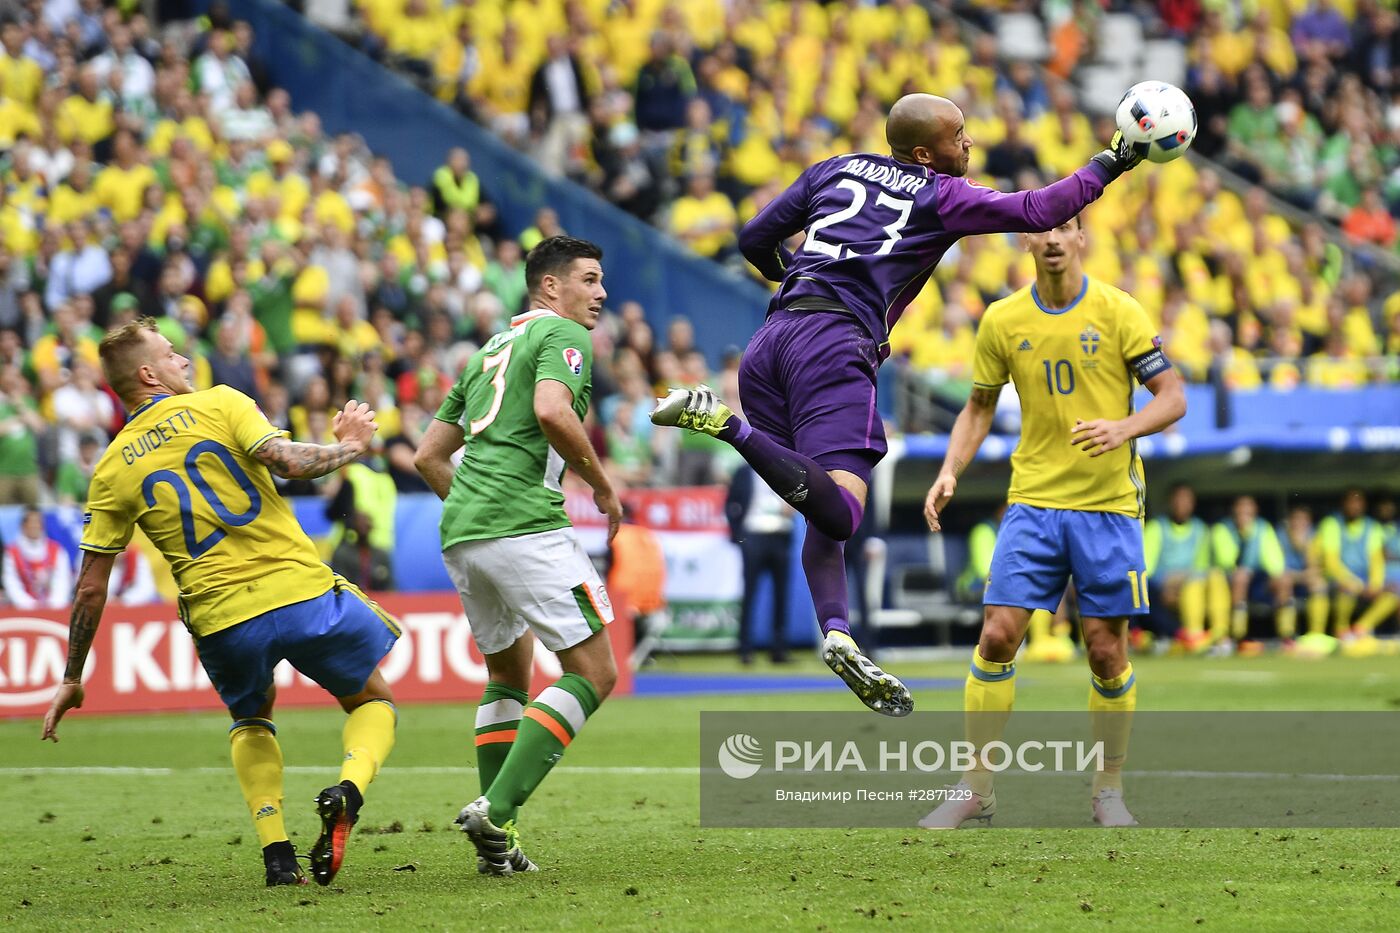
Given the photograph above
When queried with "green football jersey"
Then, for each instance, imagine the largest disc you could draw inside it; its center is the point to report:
(508, 481)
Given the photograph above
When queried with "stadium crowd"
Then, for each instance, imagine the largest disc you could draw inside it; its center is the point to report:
(693, 115)
(157, 171)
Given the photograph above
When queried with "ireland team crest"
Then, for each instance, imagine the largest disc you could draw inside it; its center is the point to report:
(574, 360)
(1089, 340)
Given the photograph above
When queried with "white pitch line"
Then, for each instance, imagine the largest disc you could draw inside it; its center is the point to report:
(694, 772)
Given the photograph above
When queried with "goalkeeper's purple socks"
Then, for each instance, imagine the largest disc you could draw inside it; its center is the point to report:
(801, 481)
(824, 561)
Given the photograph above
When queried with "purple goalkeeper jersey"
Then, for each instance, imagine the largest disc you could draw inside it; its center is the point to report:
(877, 227)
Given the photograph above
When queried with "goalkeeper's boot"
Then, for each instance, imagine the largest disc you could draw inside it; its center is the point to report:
(880, 691)
(961, 807)
(497, 847)
(697, 409)
(280, 860)
(339, 812)
(1109, 809)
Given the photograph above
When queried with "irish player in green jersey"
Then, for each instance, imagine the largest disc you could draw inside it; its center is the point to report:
(518, 408)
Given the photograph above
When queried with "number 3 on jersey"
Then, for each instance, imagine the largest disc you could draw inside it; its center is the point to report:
(892, 230)
(498, 362)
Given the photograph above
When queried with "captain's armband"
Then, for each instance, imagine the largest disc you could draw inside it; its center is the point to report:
(1149, 364)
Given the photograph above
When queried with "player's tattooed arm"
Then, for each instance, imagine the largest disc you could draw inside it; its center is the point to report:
(969, 431)
(971, 428)
(354, 428)
(295, 460)
(89, 599)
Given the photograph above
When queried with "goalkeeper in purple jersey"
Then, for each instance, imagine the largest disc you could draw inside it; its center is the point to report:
(876, 226)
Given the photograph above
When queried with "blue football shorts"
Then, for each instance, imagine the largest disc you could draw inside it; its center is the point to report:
(1040, 550)
(337, 639)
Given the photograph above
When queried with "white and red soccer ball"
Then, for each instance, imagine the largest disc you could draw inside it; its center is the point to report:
(1157, 119)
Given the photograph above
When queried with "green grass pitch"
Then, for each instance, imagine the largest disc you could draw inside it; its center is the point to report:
(616, 831)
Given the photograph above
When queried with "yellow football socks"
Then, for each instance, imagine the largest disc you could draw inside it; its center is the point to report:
(988, 695)
(1192, 602)
(1380, 609)
(1039, 628)
(257, 760)
(368, 738)
(1318, 606)
(1343, 608)
(1111, 706)
(1286, 619)
(1218, 605)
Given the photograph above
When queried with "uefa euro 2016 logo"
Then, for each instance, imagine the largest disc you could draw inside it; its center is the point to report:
(1089, 340)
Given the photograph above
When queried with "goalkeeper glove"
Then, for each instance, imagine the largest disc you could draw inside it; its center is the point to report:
(1119, 156)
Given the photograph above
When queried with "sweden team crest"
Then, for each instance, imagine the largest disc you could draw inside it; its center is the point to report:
(1089, 340)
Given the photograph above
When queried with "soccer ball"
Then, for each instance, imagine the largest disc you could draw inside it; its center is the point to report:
(1158, 120)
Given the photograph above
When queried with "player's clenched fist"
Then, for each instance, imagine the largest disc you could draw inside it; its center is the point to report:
(938, 495)
(355, 424)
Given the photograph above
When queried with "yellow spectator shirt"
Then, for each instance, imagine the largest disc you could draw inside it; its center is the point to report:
(192, 128)
(416, 36)
(1074, 364)
(183, 470)
(504, 85)
(17, 231)
(120, 190)
(690, 214)
(67, 204)
(950, 353)
(292, 191)
(16, 119)
(1337, 372)
(21, 79)
(331, 208)
(80, 118)
(219, 283)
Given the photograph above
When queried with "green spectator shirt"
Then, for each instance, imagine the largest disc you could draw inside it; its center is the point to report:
(506, 284)
(70, 482)
(508, 482)
(272, 307)
(1253, 129)
(19, 449)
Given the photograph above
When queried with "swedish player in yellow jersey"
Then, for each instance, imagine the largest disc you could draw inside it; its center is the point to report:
(1072, 347)
(193, 469)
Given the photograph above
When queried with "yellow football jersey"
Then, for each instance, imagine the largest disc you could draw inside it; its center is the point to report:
(1076, 364)
(183, 470)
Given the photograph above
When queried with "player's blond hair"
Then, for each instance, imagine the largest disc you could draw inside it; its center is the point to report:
(123, 351)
